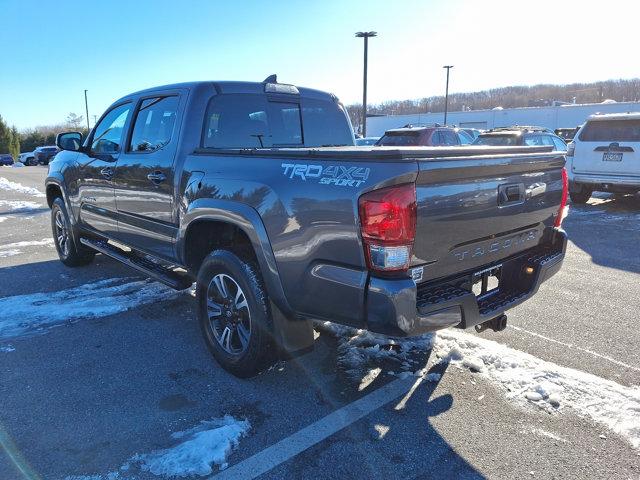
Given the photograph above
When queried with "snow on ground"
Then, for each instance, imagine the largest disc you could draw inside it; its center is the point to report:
(524, 378)
(361, 354)
(7, 348)
(9, 185)
(208, 444)
(530, 380)
(11, 249)
(20, 205)
(36, 312)
(198, 450)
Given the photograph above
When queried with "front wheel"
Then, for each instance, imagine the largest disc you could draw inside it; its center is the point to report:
(68, 252)
(233, 314)
(580, 193)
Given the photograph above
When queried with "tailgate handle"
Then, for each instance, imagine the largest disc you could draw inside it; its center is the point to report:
(511, 194)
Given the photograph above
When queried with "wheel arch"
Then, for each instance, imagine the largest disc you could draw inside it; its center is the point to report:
(223, 222)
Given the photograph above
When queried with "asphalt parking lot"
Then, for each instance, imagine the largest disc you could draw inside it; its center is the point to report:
(99, 367)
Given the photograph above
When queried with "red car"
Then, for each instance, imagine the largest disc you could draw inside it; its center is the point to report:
(420, 135)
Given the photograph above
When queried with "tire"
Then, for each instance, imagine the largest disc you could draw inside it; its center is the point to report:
(247, 347)
(30, 162)
(580, 193)
(69, 253)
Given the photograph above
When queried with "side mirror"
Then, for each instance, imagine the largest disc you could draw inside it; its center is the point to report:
(69, 141)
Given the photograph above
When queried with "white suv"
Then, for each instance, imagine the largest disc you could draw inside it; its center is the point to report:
(605, 156)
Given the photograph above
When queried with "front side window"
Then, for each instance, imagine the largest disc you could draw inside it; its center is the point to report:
(251, 121)
(154, 124)
(107, 135)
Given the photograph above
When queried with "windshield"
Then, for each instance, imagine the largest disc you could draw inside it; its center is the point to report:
(399, 139)
(611, 131)
(498, 140)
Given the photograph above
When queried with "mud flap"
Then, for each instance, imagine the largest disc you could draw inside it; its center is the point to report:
(293, 337)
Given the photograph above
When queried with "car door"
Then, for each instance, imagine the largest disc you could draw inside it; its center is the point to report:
(97, 166)
(144, 176)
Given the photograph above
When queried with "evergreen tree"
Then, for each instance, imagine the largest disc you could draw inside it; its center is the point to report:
(14, 148)
(5, 137)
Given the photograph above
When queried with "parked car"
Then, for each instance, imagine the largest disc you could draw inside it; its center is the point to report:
(6, 159)
(566, 134)
(228, 184)
(366, 141)
(463, 137)
(604, 156)
(27, 158)
(419, 135)
(43, 155)
(473, 132)
(521, 136)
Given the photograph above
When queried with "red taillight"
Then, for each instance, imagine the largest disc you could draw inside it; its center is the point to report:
(388, 226)
(563, 211)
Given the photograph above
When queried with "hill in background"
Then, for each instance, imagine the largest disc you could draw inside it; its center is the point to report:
(507, 97)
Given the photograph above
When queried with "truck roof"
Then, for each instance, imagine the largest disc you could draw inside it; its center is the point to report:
(226, 86)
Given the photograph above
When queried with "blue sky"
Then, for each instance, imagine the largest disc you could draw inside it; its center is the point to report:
(54, 50)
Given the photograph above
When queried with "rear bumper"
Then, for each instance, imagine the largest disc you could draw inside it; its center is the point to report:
(603, 179)
(400, 308)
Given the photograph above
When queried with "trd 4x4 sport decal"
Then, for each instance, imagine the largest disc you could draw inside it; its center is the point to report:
(329, 175)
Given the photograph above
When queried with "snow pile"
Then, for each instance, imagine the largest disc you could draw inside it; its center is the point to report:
(11, 249)
(208, 444)
(20, 205)
(17, 187)
(361, 353)
(18, 165)
(528, 379)
(22, 314)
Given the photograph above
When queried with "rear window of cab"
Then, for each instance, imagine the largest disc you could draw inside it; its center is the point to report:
(611, 131)
(255, 121)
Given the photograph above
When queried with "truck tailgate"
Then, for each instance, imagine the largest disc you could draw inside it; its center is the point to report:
(475, 211)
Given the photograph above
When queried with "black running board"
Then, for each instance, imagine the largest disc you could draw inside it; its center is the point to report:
(154, 270)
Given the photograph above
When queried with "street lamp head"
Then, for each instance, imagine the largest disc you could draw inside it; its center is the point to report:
(366, 34)
(447, 66)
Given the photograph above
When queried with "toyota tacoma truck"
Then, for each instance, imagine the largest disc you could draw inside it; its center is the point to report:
(257, 193)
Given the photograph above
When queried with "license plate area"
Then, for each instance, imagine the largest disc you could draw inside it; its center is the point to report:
(486, 281)
(612, 157)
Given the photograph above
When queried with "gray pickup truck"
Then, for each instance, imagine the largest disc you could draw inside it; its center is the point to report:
(257, 192)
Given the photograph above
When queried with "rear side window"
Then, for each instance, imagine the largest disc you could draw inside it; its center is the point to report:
(611, 131)
(154, 124)
(559, 144)
(251, 121)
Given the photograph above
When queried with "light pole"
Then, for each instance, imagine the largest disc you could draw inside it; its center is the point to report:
(86, 110)
(446, 93)
(366, 36)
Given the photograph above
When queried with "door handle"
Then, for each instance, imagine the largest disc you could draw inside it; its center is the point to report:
(157, 177)
(107, 172)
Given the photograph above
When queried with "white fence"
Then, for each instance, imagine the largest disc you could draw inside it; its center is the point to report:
(551, 117)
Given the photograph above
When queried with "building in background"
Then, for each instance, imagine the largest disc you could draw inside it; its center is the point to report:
(559, 116)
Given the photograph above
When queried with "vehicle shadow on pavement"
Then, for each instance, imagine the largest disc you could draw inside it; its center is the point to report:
(395, 441)
(608, 229)
(83, 398)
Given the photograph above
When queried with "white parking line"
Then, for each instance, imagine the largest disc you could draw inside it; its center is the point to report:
(291, 446)
(570, 345)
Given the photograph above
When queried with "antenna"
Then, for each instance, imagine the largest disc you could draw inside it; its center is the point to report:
(271, 79)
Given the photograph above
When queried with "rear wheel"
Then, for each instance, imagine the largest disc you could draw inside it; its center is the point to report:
(69, 253)
(233, 314)
(580, 193)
